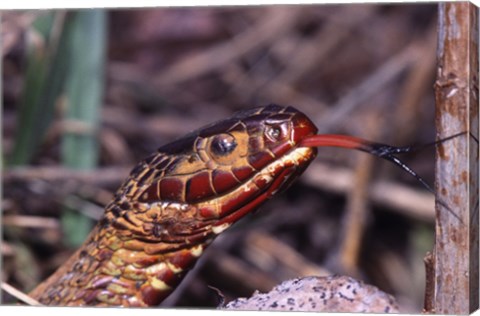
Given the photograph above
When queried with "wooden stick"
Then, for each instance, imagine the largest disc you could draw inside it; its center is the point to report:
(456, 92)
(19, 295)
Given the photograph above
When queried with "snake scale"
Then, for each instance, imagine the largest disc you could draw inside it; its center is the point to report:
(175, 202)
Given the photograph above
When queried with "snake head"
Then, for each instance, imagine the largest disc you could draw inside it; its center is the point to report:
(218, 158)
(224, 170)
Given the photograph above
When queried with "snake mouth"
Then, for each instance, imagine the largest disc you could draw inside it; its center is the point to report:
(228, 208)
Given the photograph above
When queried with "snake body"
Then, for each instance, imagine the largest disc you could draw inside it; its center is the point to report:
(175, 202)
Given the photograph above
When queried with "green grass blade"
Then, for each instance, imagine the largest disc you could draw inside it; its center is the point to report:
(28, 134)
(84, 97)
(84, 88)
(47, 66)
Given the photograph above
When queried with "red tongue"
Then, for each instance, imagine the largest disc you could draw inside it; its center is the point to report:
(331, 140)
(380, 150)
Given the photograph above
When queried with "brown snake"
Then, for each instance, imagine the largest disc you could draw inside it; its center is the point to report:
(175, 202)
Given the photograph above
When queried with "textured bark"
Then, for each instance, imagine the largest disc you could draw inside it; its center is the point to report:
(456, 92)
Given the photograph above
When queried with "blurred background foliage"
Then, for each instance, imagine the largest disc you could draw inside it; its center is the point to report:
(88, 93)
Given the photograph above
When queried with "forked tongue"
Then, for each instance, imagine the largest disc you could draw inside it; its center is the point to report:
(386, 152)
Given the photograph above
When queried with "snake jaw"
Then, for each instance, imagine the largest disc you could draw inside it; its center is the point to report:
(229, 208)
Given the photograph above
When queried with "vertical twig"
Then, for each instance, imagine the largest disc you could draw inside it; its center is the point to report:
(355, 220)
(428, 305)
(456, 93)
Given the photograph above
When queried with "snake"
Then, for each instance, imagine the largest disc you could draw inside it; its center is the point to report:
(176, 201)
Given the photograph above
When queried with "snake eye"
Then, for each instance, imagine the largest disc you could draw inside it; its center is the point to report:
(223, 144)
(276, 132)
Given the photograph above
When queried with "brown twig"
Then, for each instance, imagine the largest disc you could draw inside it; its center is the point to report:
(302, 55)
(355, 218)
(265, 252)
(136, 125)
(102, 176)
(331, 35)
(277, 91)
(428, 306)
(420, 78)
(241, 273)
(377, 80)
(397, 197)
(273, 23)
(30, 221)
(357, 208)
(19, 295)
